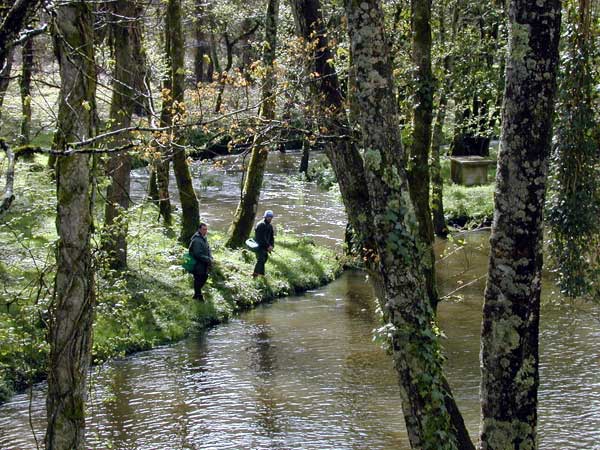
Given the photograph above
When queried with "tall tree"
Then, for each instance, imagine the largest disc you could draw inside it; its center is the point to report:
(418, 162)
(5, 77)
(574, 204)
(71, 311)
(126, 42)
(478, 76)
(13, 18)
(25, 87)
(431, 416)
(248, 206)
(437, 186)
(173, 113)
(327, 94)
(203, 65)
(511, 312)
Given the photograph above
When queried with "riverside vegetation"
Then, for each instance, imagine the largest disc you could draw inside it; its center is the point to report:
(148, 305)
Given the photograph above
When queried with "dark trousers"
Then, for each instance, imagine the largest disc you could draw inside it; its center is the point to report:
(261, 258)
(200, 277)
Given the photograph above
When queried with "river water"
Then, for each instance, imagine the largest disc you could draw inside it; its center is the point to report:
(303, 372)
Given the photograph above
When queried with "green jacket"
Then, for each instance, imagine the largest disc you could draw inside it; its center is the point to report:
(199, 249)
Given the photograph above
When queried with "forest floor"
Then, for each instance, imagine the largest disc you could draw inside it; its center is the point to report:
(148, 305)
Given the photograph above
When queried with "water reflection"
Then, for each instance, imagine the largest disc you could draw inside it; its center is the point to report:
(303, 373)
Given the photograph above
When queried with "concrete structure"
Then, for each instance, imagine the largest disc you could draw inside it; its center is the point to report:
(469, 170)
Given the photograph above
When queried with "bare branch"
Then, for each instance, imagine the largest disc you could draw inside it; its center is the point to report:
(8, 196)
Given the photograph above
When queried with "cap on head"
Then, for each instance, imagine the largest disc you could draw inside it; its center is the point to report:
(268, 213)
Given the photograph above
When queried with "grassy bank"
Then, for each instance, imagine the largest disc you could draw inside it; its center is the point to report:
(146, 306)
(465, 207)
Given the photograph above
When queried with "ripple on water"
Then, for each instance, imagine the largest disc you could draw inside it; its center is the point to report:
(303, 373)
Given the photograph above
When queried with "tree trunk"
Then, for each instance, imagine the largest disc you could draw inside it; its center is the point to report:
(418, 164)
(248, 206)
(229, 45)
(14, 16)
(437, 182)
(430, 422)
(510, 330)
(126, 40)
(174, 108)
(202, 51)
(71, 311)
(25, 87)
(341, 151)
(305, 156)
(574, 206)
(152, 185)
(5, 78)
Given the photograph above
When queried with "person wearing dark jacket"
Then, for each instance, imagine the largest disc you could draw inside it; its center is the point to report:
(200, 250)
(264, 237)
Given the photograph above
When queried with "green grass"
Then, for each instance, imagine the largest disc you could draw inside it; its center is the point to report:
(468, 206)
(150, 304)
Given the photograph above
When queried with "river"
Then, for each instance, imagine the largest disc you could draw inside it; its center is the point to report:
(304, 372)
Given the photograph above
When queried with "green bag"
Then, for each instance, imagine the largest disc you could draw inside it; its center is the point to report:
(189, 262)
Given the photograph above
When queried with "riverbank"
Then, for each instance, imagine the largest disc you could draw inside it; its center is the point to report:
(148, 305)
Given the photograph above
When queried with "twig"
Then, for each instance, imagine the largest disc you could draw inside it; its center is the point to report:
(462, 287)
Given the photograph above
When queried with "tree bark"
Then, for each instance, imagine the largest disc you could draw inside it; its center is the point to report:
(229, 44)
(418, 163)
(8, 194)
(416, 351)
(574, 205)
(71, 311)
(437, 183)
(510, 330)
(11, 24)
(202, 52)
(248, 206)
(341, 151)
(126, 39)
(25, 87)
(305, 157)
(5, 78)
(174, 114)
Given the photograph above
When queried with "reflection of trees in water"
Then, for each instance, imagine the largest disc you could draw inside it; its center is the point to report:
(115, 404)
(367, 371)
(263, 361)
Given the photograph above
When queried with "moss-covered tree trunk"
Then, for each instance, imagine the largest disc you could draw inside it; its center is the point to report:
(574, 206)
(173, 113)
(25, 88)
(418, 162)
(431, 416)
(126, 40)
(511, 312)
(14, 16)
(305, 157)
(5, 78)
(341, 151)
(203, 66)
(248, 206)
(71, 310)
(437, 183)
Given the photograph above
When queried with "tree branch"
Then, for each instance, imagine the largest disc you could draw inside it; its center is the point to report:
(16, 18)
(8, 196)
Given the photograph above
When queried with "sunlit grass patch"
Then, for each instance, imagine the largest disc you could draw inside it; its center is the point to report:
(149, 304)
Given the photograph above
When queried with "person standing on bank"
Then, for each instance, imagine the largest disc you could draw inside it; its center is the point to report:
(200, 250)
(264, 237)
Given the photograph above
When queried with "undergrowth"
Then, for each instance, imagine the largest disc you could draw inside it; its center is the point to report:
(149, 304)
